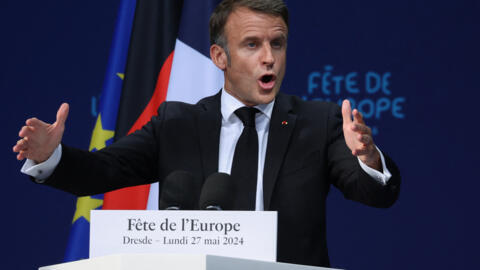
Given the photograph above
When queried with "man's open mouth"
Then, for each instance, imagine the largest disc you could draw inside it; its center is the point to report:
(267, 81)
(267, 78)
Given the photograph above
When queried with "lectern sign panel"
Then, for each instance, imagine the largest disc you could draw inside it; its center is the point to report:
(240, 234)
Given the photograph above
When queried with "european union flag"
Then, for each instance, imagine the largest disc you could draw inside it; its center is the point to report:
(103, 132)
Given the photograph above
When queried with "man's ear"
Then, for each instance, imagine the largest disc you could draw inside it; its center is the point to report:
(219, 57)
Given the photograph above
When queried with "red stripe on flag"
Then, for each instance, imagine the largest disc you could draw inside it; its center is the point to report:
(137, 197)
(158, 97)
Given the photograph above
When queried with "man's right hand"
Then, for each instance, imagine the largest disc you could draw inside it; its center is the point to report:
(39, 139)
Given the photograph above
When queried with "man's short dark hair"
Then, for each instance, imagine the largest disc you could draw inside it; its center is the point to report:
(225, 8)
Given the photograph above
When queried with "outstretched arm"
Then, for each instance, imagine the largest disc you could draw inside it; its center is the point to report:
(366, 178)
(39, 139)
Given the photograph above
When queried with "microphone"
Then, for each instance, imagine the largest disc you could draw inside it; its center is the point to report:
(217, 193)
(177, 192)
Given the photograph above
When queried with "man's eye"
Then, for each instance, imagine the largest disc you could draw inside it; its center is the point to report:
(251, 45)
(277, 44)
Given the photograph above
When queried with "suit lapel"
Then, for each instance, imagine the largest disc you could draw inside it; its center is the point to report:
(209, 124)
(282, 125)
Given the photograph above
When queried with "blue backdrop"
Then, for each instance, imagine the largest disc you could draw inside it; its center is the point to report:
(410, 66)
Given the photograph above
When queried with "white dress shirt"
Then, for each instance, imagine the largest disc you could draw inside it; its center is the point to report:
(231, 130)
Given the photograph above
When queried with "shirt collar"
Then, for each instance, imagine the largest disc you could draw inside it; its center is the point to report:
(229, 104)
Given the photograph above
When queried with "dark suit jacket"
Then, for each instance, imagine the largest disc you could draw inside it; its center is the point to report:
(303, 159)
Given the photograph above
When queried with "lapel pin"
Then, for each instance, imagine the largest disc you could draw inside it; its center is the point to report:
(284, 123)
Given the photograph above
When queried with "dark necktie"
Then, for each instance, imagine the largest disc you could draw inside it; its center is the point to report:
(245, 161)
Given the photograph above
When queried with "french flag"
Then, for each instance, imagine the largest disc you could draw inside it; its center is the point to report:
(168, 60)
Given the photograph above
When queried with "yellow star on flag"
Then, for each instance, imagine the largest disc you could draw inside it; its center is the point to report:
(100, 135)
(121, 75)
(84, 205)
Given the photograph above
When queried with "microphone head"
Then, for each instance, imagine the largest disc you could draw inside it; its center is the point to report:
(217, 192)
(178, 192)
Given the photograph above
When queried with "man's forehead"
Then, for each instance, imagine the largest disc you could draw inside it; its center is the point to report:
(243, 18)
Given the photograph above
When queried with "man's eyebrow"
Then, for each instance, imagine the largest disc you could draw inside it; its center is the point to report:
(280, 37)
(250, 38)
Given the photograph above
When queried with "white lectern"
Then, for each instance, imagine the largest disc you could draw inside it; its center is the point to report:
(174, 261)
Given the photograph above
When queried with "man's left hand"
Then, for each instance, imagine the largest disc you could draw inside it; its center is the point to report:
(358, 137)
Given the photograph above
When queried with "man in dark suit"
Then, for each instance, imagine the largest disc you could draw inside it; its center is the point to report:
(303, 147)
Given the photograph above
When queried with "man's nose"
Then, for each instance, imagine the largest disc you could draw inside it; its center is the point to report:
(267, 56)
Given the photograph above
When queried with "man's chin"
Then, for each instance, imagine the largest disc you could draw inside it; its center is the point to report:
(268, 97)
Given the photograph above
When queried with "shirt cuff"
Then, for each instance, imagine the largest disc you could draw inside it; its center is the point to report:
(382, 178)
(42, 171)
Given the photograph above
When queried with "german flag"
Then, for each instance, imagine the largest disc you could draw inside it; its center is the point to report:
(168, 60)
(149, 62)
